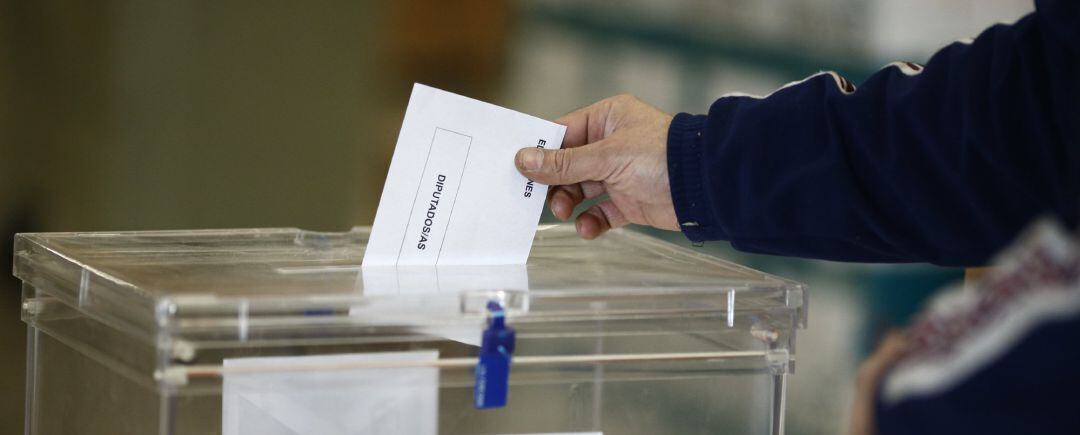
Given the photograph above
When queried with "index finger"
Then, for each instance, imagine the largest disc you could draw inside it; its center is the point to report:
(585, 125)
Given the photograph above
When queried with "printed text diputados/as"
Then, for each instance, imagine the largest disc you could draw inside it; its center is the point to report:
(429, 219)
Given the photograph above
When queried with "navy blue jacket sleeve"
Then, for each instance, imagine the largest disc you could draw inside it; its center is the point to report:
(943, 164)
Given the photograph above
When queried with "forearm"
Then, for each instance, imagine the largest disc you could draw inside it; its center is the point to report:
(943, 164)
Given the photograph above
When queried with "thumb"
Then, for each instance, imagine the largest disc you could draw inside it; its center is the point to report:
(562, 166)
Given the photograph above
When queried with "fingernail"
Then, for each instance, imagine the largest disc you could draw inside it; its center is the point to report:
(532, 159)
(557, 209)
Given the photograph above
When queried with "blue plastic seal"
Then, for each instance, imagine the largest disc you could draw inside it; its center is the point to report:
(493, 369)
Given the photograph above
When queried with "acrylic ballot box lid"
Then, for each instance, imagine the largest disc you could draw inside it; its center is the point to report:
(193, 298)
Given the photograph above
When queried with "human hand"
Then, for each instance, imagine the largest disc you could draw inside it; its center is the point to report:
(888, 352)
(616, 146)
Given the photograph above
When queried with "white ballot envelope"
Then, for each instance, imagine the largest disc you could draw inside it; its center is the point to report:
(334, 400)
(453, 195)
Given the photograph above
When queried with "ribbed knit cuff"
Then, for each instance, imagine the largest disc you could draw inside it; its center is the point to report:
(684, 159)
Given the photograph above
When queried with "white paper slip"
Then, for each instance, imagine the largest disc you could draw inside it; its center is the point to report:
(453, 195)
(331, 401)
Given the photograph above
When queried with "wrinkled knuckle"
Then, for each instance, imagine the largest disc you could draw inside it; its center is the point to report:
(560, 161)
(624, 98)
(613, 100)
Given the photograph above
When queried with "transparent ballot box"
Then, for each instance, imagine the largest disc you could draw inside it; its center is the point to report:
(280, 331)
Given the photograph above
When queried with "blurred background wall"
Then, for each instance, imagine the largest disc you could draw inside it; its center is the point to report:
(125, 115)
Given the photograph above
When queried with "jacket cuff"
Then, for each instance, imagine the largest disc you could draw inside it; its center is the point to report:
(686, 177)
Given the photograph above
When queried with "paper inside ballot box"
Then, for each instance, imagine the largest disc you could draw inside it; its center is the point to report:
(312, 395)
